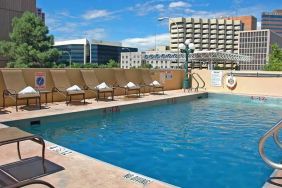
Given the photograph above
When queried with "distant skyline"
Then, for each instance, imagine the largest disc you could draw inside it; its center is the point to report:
(134, 22)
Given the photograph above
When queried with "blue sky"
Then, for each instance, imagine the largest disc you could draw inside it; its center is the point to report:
(134, 22)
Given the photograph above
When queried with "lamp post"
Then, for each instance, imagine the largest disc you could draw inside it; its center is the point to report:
(187, 48)
(167, 18)
(67, 52)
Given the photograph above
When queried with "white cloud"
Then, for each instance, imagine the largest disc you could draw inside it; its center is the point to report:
(178, 4)
(258, 25)
(94, 14)
(142, 9)
(147, 42)
(98, 34)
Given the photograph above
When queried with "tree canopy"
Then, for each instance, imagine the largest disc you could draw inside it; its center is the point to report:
(275, 59)
(30, 45)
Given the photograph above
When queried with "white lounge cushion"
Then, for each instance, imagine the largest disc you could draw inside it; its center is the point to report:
(130, 85)
(74, 88)
(28, 90)
(155, 83)
(102, 86)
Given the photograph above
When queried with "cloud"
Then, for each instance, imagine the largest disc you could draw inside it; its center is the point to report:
(147, 42)
(258, 25)
(94, 14)
(178, 4)
(142, 9)
(98, 34)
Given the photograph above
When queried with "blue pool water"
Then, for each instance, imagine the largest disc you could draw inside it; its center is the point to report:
(211, 142)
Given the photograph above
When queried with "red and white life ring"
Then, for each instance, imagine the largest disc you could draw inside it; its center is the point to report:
(231, 82)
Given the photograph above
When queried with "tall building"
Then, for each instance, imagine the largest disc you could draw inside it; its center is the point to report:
(206, 34)
(257, 44)
(82, 51)
(272, 20)
(40, 14)
(10, 9)
(249, 22)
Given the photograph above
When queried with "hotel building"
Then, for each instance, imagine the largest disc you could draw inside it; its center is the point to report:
(249, 22)
(257, 44)
(10, 9)
(272, 20)
(206, 34)
(83, 51)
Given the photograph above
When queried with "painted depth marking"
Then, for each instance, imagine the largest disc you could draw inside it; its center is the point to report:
(60, 150)
(137, 179)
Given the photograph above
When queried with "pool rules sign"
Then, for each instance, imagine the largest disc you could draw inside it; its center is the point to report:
(40, 80)
(216, 78)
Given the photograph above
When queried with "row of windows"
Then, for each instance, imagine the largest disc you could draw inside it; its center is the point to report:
(254, 34)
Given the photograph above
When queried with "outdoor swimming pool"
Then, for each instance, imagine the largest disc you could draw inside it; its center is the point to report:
(210, 142)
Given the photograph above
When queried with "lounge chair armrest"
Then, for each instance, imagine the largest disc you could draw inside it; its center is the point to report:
(61, 89)
(10, 92)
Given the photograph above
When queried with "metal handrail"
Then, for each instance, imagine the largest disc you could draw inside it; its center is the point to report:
(204, 83)
(272, 132)
(197, 87)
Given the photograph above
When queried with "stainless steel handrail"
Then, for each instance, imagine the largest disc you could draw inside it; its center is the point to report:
(204, 83)
(272, 132)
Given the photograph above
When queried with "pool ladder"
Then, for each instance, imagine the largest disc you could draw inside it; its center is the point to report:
(196, 76)
(274, 131)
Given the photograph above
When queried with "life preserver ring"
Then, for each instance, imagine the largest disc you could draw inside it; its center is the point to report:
(231, 82)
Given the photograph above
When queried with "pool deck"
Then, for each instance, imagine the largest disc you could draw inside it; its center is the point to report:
(80, 170)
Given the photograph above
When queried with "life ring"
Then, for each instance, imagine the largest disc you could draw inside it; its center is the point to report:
(231, 82)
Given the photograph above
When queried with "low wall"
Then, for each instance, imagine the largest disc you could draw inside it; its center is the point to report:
(271, 86)
(171, 79)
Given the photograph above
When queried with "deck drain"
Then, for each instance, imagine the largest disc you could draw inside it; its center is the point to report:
(60, 150)
(137, 179)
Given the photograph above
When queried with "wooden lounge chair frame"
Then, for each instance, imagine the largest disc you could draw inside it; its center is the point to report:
(91, 82)
(14, 135)
(147, 80)
(121, 82)
(63, 89)
(17, 184)
(17, 78)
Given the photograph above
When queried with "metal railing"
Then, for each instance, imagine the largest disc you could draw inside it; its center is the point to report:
(197, 81)
(274, 131)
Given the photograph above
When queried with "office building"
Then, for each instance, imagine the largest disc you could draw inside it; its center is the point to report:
(40, 14)
(102, 52)
(257, 44)
(272, 20)
(10, 9)
(206, 34)
(82, 51)
(249, 22)
(77, 50)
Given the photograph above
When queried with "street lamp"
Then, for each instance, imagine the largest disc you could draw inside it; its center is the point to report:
(67, 52)
(187, 48)
(167, 18)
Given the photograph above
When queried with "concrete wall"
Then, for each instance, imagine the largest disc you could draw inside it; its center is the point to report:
(246, 85)
(104, 75)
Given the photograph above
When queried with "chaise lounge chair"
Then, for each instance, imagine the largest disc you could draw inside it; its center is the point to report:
(92, 84)
(122, 82)
(17, 89)
(64, 87)
(14, 135)
(148, 81)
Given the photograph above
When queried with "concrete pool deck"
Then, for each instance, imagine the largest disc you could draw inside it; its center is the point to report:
(80, 170)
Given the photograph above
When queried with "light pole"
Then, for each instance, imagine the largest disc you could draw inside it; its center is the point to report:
(167, 18)
(67, 52)
(187, 48)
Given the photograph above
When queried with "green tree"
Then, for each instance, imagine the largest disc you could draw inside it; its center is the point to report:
(146, 66)
(112, 64)
(275, 59)
(30, 45)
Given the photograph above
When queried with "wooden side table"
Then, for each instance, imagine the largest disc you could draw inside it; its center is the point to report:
(45, 92)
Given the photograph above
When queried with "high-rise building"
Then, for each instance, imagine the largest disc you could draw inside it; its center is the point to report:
(257, 45)
(272, 20)
(40, 14)
(83, 51)
(206, 34)
(249, 22)
(10, 9)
